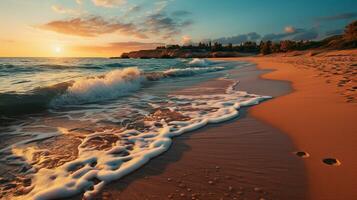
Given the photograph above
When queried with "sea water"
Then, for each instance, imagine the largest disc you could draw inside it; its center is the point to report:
(75, 124)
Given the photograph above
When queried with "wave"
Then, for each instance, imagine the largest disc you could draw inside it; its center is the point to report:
(9, 68)
(200, 62)
(118, 83)
(55, 66)
(86, 90)
(34, 101)
(85, 66)
(6, 66)
(102, 66)
(112, 65)
(114, 84)
(191, 71)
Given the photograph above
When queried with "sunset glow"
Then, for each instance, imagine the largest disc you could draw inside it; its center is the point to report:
(58, 49)
(178, 99)
(102, 28)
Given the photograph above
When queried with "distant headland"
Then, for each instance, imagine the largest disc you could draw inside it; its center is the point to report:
(347, 40)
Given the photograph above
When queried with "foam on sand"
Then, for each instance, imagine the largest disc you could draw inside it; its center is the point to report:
(191, 71)
(132, 147)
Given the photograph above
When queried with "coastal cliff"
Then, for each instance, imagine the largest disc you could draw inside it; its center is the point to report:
(181, 53)
(348, 40)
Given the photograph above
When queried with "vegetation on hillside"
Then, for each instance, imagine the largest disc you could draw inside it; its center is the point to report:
(346, 41)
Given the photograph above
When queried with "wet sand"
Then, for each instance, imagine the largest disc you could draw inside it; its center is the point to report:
(319, 116)
(244, 158)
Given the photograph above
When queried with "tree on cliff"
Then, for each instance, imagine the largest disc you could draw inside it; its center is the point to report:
(351, 31)
(287, 45)
(217, 46)
(265, 47)
(275, 47)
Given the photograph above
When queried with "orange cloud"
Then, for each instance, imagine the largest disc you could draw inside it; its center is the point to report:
(158, 25)
(290, 29)
(108, 3)
(186, 39)
(91, 27)
(63, 10)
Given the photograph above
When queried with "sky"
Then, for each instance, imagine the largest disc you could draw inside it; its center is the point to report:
(103, 28)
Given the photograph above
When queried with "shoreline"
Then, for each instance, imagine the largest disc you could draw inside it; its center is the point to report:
(241, 158)
(254, 155)
(318, 115)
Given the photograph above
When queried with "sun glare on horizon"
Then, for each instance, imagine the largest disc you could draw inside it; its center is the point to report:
(58, 49)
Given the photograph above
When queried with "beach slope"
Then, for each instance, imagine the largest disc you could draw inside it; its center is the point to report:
(319, 116)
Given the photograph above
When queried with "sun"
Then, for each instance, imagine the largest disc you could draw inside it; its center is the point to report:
(58, 49)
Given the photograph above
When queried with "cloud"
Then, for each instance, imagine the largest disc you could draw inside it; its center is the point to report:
(274, 36)
(136, 45)
(306, 35)
(165, 25)
(161, 5)
(334, 32)
(238, 39)
(157, 25)
(91, 27)
(62, 10)
(186, 39)
(7, 41)
(116, 48)
(278, 36)
(79, 2)
(292, 33)
(289, 29)
(253, 36)
(340, 16)
(135, 8)
(180, 13)
(108, 3)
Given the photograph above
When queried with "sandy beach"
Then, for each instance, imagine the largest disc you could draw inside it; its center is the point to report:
(298, 145)
(254, 157)
(319, 116)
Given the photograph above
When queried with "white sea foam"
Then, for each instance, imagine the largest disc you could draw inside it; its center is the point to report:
(113, 84)
(191, 71)
(231, 89)
(117, 83)
(94, 167)
(200, 62)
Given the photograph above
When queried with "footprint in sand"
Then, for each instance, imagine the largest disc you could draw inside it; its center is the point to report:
(331, 161)
(302, 154)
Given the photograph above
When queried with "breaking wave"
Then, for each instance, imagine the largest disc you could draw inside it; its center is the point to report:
(191, 71)
(200, 62)
(114, 84)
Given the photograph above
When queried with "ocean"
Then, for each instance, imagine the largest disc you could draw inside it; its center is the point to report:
(72, 125)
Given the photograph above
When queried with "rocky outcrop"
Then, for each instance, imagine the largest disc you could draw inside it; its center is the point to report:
(179, 53)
